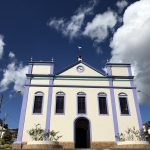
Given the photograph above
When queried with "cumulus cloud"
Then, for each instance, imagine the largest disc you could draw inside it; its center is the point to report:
(1, 46)
(131, 43)
(71, 28)
(98, 29)
(14, 74)
(121, 4)
(11, 54)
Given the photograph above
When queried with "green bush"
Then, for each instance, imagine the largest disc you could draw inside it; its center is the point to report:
(7, 136)
(7, 146)
(2, 141)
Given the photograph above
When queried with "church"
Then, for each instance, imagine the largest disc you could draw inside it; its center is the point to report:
(87, 106)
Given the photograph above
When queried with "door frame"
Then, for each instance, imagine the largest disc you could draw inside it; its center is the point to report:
(90, 131)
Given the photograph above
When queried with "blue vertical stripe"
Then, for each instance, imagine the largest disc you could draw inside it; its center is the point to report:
(113, 104)
(23, 108)
(135, 100)
(48, 115)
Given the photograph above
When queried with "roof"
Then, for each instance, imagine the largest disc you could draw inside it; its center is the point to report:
(78, 62)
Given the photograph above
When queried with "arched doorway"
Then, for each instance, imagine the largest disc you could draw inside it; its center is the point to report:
(82, 133)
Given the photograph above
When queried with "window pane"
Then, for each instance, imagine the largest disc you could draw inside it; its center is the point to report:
(124, 105)
(60, 104)
(81, 104)
(102, 105)
(38, 104)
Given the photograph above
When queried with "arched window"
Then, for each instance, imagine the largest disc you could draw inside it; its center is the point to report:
(102, 101)
(60, 102)
(38, 102)
(81, 102)
(124, 108)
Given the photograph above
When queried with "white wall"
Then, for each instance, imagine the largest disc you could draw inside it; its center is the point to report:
(101, 125)
(31, 119)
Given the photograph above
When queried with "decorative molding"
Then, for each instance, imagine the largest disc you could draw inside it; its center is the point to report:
(118, 64)
(71, 76)
(40, 62)
(80, 86)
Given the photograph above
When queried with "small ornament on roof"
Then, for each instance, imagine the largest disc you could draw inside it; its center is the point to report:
(52, 60)
(31, 59)
(79, 53)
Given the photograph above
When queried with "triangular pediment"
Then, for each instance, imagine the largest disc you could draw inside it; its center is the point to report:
(80, 69)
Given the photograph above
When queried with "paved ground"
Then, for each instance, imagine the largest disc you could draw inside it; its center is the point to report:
(101, 149)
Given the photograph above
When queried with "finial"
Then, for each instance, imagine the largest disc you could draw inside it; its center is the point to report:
(79, 53)
(31, 59)
(52, 60)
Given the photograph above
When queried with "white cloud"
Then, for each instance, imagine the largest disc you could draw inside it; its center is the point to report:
(11, 54)
(121, 4)
(98, 29)
(131, 43)
(14, 74)
(1, 46)
(72, 27)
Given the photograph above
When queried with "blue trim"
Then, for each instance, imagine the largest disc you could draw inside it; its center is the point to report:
(23, 109)
(118, 64)
(39, 93)
(64, 95)
(78, 86)
(49, 102)
(136, 101)
(106, 104)
(79, 95)
(114, 111)
(70, 76)
(124, 96)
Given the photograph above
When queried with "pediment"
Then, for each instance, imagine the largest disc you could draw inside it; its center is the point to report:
(80, 69)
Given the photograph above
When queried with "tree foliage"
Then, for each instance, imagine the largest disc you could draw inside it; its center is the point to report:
(146, 127)
(7, 136)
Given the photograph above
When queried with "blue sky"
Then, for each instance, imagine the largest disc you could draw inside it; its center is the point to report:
(105, 29)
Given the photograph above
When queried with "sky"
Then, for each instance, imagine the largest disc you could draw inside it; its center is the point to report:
(107, 30)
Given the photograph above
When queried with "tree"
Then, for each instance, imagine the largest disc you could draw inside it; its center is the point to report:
(146, 127)
(2, 123)
(7, 136)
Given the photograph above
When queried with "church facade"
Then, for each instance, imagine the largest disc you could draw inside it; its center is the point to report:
(88, 107)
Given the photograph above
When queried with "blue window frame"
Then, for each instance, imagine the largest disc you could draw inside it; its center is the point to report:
(81, 102)
(60, 98)
(38, 102)
(123, 101)
(102, 102)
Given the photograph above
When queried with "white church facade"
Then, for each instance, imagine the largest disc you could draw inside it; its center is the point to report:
(88, 107)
